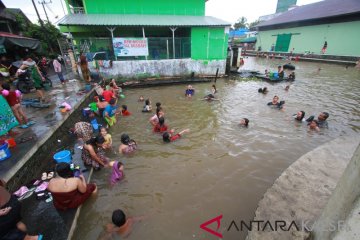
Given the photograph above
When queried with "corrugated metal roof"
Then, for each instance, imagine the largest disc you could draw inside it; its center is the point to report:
(139, 20)
(319, 10)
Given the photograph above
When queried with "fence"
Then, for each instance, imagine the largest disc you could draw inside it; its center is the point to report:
(159, 48)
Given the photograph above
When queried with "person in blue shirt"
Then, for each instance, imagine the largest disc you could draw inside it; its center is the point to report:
(110, 112)
(190, 91)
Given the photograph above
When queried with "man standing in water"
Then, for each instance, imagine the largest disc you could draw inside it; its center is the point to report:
(322, 123)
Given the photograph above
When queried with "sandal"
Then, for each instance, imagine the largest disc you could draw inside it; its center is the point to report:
(23, 126)
(30, 123)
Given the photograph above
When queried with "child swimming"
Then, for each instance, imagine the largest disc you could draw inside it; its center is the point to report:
(190, 91)
(244, 122)
(170, 137)
(124, 111)
(161, 126)
(127, 145)
(275, 103)
(314, 125)
(122, 225)
(117, 173)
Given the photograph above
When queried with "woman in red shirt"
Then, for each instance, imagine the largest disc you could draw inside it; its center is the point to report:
(161, 126)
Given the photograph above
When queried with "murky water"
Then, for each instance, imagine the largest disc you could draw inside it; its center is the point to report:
(218, 168)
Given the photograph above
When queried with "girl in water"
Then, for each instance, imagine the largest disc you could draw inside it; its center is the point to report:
(300, 116)
(161, 126)
(155, 119)
(147, 106)
(108, 140)
(127, 145)
(170, 137)
(117, 173)
(244, 122)
(275, 103)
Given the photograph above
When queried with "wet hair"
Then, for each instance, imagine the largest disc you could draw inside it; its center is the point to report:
(326, 115)
(158, 109)
(260, 90)
(302, 116)
(118, 218)
(166, 137)
(63, 170)
(315, 121)
(96, 140)
(214, 88)
(101, 99)
(124, 107)
(158, 104)
(147, 102)
(125, 139)
(264, 89)
(112, 101)
(161, 121)
(246, 122)
(6, 86)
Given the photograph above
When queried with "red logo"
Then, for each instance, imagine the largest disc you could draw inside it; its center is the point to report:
(218, 220)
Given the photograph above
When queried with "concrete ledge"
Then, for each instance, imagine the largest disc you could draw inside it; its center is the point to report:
(38, 157)
(302, 191)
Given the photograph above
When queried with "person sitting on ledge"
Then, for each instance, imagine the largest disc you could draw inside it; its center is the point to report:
(68, 191)
(93, 153)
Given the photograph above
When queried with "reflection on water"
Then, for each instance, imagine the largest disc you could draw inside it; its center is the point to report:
(218, 168)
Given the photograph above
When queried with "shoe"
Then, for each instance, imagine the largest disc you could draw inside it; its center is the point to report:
(24, 126)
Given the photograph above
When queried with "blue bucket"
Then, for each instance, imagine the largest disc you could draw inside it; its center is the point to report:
(63, 156)
(87, 87)
(86, 112)
(4, 152)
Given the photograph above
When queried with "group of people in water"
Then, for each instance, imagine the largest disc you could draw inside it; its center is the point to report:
(69, 188)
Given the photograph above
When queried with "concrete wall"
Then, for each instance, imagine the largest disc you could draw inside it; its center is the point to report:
(342, 201)
(342, 38)
(173, 67)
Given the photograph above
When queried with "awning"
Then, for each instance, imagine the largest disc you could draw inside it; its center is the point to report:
(248, 40)
(7, 39)
(139, 20)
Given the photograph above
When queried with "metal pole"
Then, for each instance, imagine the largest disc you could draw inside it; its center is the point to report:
(143, 31)
(173, 37)
(167, 48)
(43, 3)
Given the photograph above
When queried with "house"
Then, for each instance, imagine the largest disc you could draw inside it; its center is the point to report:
(174, 34)
(327, 27)
(11, 40)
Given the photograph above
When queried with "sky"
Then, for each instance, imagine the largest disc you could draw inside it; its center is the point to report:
(228, 10)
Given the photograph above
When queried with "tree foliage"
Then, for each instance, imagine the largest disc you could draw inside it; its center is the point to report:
(47, 35)
(243, 23)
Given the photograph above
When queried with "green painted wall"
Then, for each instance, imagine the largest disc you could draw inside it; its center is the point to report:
(342, 38)
(208, 43)
(162, 7)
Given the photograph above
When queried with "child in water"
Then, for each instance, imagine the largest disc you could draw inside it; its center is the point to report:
(122, 225)
(190, 91)
(170, 137)
(147, 106)
(314, 125)
(141, 99)
(275, 102)
(161, 126)
(117, 173)
(108, 140)
(124, 111)
(244, 122)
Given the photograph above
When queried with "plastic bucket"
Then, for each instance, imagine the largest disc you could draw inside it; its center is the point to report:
(11, 142)
(86, 112)
(4, 152)
(63, 156)
(87, 87)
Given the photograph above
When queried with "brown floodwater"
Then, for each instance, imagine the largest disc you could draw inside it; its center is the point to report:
(219, 167)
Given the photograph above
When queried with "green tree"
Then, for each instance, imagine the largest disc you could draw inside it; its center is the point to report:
(47, 36)
(241, 23)
(253, 24)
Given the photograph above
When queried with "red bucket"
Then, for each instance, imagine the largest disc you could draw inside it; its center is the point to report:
(11, 142)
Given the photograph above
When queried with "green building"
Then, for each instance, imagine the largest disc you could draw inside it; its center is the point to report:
(306, 29)
(176, 29)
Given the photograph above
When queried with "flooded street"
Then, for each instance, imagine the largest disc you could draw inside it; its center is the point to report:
(219, 167)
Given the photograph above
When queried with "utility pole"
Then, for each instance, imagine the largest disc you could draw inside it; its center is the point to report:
(43, 26)
(37, 13)
(43, 5)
